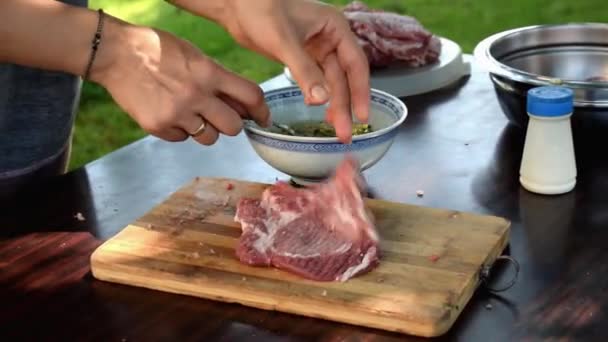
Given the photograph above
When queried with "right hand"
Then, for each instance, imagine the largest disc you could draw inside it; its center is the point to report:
(315, 41)
(169, 87)
(312, 38)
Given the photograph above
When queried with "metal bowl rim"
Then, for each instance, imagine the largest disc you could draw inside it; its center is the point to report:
(483, 55)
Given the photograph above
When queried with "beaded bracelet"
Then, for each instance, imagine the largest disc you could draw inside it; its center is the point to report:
(96, 41)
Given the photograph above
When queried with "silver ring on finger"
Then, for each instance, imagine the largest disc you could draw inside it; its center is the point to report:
(200, 130)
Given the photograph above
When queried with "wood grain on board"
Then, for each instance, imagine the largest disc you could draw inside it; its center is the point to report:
(429, 269)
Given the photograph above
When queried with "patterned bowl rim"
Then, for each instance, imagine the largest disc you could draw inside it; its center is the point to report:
(250, 128)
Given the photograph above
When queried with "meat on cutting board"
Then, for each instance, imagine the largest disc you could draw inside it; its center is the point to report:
(322, 233)
(388, 37)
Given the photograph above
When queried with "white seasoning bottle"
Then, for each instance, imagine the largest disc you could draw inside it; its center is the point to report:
(548, 164)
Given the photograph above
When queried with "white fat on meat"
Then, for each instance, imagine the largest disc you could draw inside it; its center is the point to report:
(265, 240)
(351, 271)
(349, 218)
(343, 248)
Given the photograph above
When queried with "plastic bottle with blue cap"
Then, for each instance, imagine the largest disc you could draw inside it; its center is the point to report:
(548, 164)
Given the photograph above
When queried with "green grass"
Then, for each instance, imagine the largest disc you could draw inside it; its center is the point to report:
(102, 127)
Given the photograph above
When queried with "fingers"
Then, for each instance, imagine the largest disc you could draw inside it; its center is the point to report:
(239, 108)
(170, 134)
(162, 128)
(200, 129)
(195, 124)
(306, 72)
(245, 97)
(339, 112)
(208, 136)
(209, 118)
(353, 60)
(219, 118)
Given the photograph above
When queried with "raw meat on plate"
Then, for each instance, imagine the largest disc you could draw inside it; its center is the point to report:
(389, 38)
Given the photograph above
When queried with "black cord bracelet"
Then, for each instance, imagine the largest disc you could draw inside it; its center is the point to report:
(96, 41)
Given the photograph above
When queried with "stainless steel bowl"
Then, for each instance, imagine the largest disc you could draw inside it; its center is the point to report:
(572, 55)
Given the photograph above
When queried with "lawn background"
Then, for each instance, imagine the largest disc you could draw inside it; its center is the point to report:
(102, 127)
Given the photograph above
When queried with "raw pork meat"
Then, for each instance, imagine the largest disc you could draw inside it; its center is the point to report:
(389, 37)
(322, 233)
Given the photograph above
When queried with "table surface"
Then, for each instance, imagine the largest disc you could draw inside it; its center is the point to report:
(455, 145)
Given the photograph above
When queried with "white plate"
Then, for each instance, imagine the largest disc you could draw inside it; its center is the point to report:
(404, 81)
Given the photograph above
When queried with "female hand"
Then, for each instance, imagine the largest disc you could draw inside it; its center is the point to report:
(313, 39)
(171, 89)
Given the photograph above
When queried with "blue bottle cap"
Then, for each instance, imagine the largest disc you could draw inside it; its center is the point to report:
(550, 101)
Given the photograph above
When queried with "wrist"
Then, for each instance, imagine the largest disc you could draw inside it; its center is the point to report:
(124, 48)
(112, 44)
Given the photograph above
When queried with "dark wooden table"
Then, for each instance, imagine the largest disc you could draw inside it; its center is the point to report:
(455, 145)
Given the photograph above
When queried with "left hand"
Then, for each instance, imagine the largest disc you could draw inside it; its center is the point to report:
(170, 88)
(314, 40)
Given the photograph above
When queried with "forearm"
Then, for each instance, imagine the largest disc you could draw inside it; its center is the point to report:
(51, 35)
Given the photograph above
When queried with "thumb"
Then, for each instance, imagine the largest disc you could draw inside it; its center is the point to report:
(307, 74)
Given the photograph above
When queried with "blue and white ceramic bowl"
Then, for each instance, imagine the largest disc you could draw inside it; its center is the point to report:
(312, 159)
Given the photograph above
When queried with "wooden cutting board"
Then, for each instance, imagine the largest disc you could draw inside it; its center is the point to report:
(429, 271)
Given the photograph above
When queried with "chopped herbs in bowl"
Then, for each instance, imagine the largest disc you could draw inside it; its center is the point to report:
(320, 129)
(314, 151)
